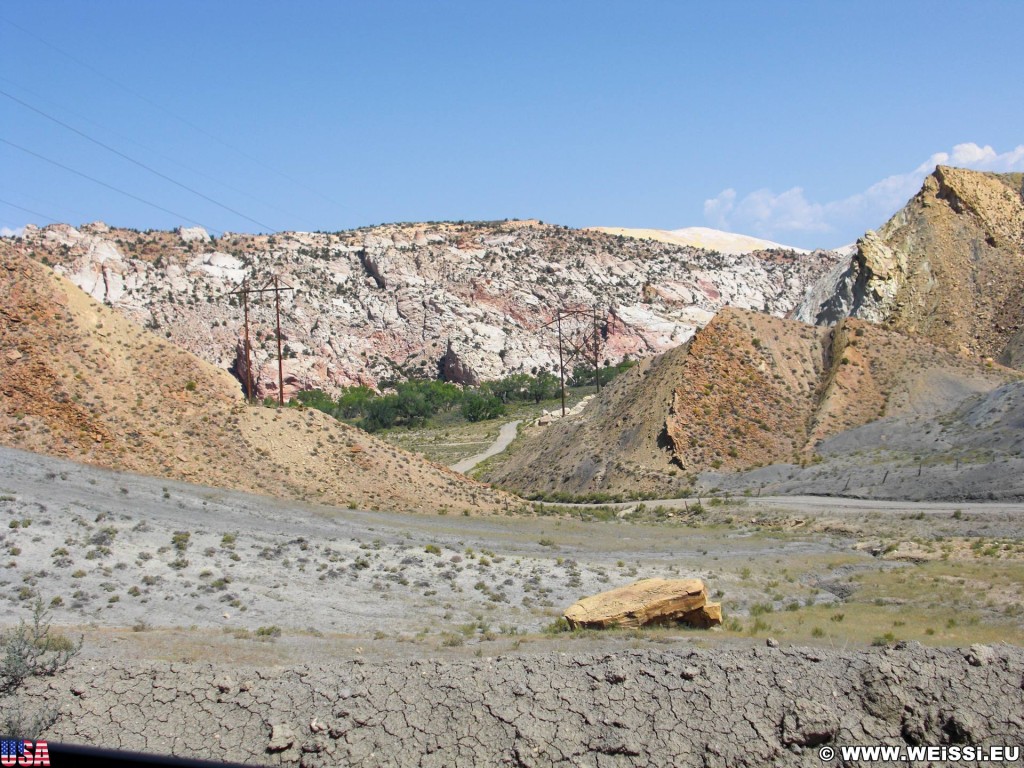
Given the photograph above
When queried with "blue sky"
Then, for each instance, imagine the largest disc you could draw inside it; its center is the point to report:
(806, 123)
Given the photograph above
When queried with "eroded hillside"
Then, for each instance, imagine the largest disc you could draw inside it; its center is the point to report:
(80, 381)
(749, 390)
(383, 302)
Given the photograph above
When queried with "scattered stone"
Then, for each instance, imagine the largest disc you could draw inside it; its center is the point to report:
(281, 737)
(615, 675)
(980, 655)
(223, 684)
(771, 642)
(808, 723)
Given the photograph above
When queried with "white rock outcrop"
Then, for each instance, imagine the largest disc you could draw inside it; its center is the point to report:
(388, 301)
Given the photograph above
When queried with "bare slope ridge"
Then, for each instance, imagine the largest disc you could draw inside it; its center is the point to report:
(749, 390)
(948, 267)
(616, 444)
(381, 302)
(80, 381)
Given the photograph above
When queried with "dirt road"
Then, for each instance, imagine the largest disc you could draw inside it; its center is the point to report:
(506, 435)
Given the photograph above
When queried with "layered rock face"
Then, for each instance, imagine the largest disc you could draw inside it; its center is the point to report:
(470, 300)
(948, 267)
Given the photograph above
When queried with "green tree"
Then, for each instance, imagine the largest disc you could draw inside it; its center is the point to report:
(477, 406)
(512, 388)
(353, 402)
(381, 413)
(544, 386)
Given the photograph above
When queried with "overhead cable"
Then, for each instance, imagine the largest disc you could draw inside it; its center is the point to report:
(177, 117)
(139, 163)
(29, 210)
(175, 161)
(180, 216)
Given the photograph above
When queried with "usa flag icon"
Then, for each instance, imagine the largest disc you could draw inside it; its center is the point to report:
(18, 752)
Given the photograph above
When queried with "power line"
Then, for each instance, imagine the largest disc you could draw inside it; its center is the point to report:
(177, 117)
(134, 161)
(174, 161)
(108, 186)
(29, 210)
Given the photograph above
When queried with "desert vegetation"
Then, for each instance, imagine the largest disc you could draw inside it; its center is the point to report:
(417, 403)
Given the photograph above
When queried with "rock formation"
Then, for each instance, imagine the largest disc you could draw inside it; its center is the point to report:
(80, 381)
(386, 302)
(648, 601)
(453, 369)
(948, 267)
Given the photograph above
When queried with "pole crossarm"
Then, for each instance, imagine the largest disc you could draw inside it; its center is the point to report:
(275, 286)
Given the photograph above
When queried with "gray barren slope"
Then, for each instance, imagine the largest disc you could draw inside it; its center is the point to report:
(348, 683)
(973, 452)
(634, 708)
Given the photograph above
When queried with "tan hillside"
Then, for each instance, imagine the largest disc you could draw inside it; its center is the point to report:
(748, 390)
(701, 237)
(80, 381)
(948, 267)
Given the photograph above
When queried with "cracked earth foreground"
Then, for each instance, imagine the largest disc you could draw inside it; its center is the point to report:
(752, 707)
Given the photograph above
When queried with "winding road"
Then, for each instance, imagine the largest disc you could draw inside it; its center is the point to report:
(505, 436)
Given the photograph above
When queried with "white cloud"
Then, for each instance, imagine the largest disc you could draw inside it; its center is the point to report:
(8, 232)
(765, 213)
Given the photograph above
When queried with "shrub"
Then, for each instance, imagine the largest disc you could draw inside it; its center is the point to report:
(268, 633)
(30, 650)
(557, 626)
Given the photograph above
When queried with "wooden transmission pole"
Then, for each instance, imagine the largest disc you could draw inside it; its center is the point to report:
(275, 287)
(583, 344)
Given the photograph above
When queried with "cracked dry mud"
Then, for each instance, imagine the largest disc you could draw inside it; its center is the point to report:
(753, 707)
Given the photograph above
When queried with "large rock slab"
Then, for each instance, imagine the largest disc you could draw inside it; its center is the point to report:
(648, 601)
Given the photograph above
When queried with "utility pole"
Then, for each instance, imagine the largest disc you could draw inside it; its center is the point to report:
(561, 366)
(247, 347)
(577, 345)
(280, 359)
(244, 291)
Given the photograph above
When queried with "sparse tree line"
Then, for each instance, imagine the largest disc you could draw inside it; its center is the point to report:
(413, 403)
